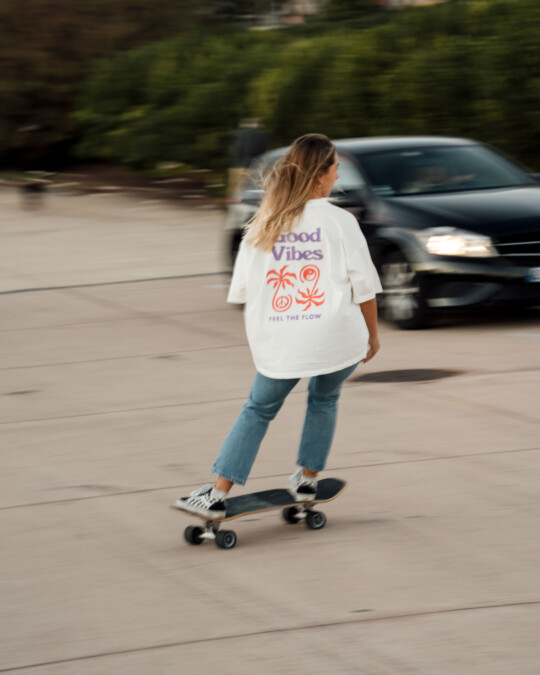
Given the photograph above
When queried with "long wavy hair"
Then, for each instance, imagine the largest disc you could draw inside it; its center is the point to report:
(288, 186)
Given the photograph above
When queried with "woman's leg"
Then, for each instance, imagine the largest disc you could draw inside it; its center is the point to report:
(320, 420)
(240, 448)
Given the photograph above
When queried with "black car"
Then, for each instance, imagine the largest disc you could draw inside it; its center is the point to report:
(450, 223)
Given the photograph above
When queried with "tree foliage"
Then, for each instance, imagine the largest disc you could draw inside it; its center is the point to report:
(346, 10)
(47, 48)
(464, 68)
(469, 69)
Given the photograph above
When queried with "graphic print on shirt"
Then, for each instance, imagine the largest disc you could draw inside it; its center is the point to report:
(312, 296)
(280, 281)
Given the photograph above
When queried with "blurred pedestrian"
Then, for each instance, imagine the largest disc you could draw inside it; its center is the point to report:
(308, 283)
(32, 190)
(248, 142)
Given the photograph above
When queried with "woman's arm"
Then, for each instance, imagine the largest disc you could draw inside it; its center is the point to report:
(369, 310)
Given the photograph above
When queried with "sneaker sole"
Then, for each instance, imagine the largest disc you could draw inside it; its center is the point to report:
(211, 515)
(299, 497)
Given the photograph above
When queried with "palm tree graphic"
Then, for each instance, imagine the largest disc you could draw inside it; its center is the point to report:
(312, 296)
(280, 280)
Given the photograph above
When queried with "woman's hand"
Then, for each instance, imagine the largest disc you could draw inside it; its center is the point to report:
(369, 311)
(373, 347)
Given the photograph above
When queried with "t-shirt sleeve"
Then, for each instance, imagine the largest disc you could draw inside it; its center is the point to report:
(238, 288)
(360, 268)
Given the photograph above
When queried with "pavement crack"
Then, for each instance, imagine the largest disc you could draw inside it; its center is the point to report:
(402, 616)
(116, 319)
(493, 409)
(122, 358)
(122, 411)
(126, 493)
(113, 283)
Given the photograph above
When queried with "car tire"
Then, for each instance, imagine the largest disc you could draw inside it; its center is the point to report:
(403, 301)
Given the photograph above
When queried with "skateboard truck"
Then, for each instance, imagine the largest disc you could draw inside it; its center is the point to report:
(223, 538)
(227, 538)
(314, 519)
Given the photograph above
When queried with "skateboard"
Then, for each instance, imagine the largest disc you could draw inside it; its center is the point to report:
(257, 502)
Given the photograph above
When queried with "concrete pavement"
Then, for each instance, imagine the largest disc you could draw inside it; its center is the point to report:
(118, 386)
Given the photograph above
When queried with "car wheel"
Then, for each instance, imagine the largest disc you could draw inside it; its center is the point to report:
(403, 301)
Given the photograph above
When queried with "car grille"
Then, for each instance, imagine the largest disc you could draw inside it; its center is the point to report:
(521, 249)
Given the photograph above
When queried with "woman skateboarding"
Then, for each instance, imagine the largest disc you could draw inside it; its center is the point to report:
(308, 283)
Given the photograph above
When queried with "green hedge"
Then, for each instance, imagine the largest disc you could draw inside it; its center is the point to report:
(461, 68)
(47, 48)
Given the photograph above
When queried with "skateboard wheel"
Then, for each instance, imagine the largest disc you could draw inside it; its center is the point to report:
(290, 514)
(315, 520)
(225, 539)
(192, 534)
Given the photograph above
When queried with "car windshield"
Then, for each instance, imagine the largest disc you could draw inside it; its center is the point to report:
(440, 169)
(261, 165)
(349, 176)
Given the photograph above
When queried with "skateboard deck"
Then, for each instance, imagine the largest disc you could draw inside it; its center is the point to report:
(266, 500)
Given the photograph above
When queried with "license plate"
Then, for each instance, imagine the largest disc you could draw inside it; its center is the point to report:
(533, 275)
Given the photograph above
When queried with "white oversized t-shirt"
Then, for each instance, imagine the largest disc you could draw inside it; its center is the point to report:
(302, 316)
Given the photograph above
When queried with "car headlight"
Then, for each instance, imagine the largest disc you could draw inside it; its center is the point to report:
(451, 241)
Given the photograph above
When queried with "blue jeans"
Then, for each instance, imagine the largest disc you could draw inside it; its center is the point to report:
(267, 395)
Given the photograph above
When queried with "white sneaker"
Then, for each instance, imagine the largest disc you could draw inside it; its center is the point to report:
(302, 488)
(204, 502)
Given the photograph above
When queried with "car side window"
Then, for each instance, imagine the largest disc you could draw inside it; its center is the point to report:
(349, 179)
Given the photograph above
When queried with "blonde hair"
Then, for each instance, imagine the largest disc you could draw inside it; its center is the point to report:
(289, 184)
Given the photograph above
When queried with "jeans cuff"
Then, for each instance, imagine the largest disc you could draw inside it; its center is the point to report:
(311, 467)
(233, 479)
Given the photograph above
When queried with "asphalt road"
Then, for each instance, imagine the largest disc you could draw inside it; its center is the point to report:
(122, 369)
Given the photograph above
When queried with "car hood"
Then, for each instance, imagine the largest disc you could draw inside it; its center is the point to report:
(490, 212)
